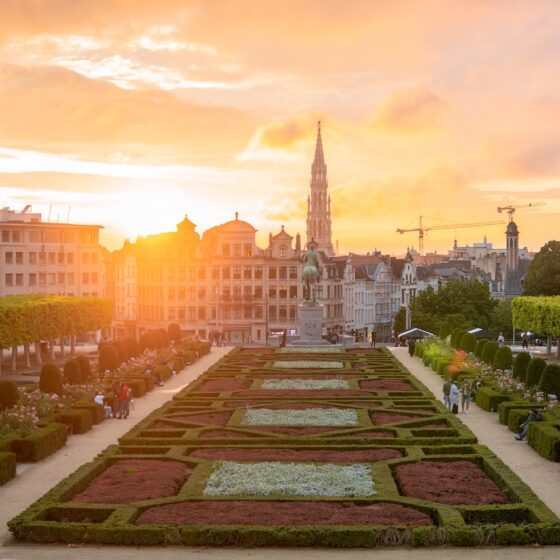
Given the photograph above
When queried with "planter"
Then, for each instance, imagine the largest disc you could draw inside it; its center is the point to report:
(40, 444)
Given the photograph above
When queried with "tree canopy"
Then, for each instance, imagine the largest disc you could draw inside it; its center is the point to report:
(462, 304)
(543, 276)
(537, 314)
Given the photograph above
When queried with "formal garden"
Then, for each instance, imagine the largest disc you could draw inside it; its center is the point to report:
(341, 448)
(36, 419)
(505, 384)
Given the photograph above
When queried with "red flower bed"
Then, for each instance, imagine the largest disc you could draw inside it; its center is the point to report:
(433, 426)
(380, 418)
(304, 393)
(394, 385)
(225, 384)
(135, 480)
(454, 482)
(238, 512)
(296, 431)
(319, 455)
(219, 418)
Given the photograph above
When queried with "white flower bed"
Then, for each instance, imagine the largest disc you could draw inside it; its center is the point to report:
(230, 478)
(306, 417)
(307, 364)
(303, 384)
(310, 350)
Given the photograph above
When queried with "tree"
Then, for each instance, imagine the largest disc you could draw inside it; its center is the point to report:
(520, 365)
(543, 276)
(50, 380)
(72, 372)
(400, 321)
(550, 380)
(462, 304)
(108, 358)
(503, 359)
(534, 372)
(502, 320)
(468, 342)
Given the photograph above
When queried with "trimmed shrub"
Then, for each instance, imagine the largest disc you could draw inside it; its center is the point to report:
(85, 367)
(118, 343)
(489, 399)
(550, 380)
(147, 341)
(534, 372)
(480, 347)
(174, 332)
(40, 443)
(503, 359)
(506, 407)
(108, 358)
(489, 351)
(96, 411)
(445, 329)
(72, 372)
(544, 438)
(132, 347)
(50, 380)
(9, 394)
(456, 336)
(468, 342)
(7, 466)
(163, 372)
(520, 365)
(80, 420)
(161, 338)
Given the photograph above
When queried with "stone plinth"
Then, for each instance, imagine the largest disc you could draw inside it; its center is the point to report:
(311, 323)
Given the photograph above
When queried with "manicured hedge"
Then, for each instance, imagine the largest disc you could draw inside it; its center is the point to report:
(520, 365)
(480, 347)
(50, 380)
(534, 372)
(505, 408)
(468, 342)
(80, 420)
(96, 411)
(550, 380)
(9, 394)
(544, 438)
(537, 314)
(503, 359)
(489, 399)
(40, 443)
(7, 466)
(489, 351)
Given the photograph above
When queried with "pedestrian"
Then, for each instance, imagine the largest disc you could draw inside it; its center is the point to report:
(534, 416)
(125, 398)
(373, 337)
(524, 341)
(501, 339)
(411, 346)
(454, 397)
(466, 395)
(116, 402)
(446, 388)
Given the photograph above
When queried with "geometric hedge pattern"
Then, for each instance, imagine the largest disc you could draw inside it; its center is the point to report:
(358, 454)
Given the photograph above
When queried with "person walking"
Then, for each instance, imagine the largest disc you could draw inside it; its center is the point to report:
(466, 395)
(501, 339)
(454, 397)
(446, 388)
(411, 346)
(373, 337)
(125, 398)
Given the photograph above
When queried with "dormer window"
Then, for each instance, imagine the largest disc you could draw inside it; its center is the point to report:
(283, 250)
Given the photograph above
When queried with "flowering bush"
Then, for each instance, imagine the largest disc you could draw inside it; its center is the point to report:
(19, 420)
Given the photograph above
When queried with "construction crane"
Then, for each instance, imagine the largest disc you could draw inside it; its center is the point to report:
(421, 229)
(513, 207)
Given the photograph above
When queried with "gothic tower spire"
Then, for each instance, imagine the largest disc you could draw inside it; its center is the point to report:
(319, 202)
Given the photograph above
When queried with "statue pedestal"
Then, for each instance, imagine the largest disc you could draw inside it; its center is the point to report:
(311, 324)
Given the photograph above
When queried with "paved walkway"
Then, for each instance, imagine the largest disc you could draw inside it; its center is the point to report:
(542, 476)
(36, 479)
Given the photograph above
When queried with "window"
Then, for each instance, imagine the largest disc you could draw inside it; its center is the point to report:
(94, 258)
(226, 292)
(282, 272)
(33, 279)
(272, 273)
(293, 291)
(60, 258)
(236, 272)
(192, 313)
(272, 292)
(190, 273)
(202, 273)
(258, 292)
(9, 279)
(171, 292)
(293, 272)
(85, 258)
(272, 313)
(170, 313)
(9, 258)
(247, 312)
(226, 250)
(283, 313)
(181, 292)
(94, 278)
(247, 292)
(16, 236)
(225, 272)
(51, 236)
(67, 237)
(202, 312)
(32, 258)
(258, 272)
(192, 292)
(215, 273)
(70, 278)
(52, 258)
(85, 278)
(19, 257)
(258, 312)
(283, 292)
(61, 277)
(70, 258)
(247, 273)
(292, 313)
(237, 249)
(201, 293)
(42, 278)
(52, 278)
(283, 250)
(181, 313)
(181, 274)
(5, 236)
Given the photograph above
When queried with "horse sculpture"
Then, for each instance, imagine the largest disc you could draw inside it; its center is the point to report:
(310, 273)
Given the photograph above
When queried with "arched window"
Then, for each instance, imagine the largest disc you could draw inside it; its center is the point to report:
(282, 250)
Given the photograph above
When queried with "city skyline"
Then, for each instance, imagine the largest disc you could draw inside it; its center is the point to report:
(136, 117)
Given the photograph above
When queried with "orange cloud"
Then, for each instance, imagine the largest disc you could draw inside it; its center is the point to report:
(415, 110)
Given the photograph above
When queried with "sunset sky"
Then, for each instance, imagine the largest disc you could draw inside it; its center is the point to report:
(135, 113)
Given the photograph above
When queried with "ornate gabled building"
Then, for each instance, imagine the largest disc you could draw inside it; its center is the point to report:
(319, 202)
